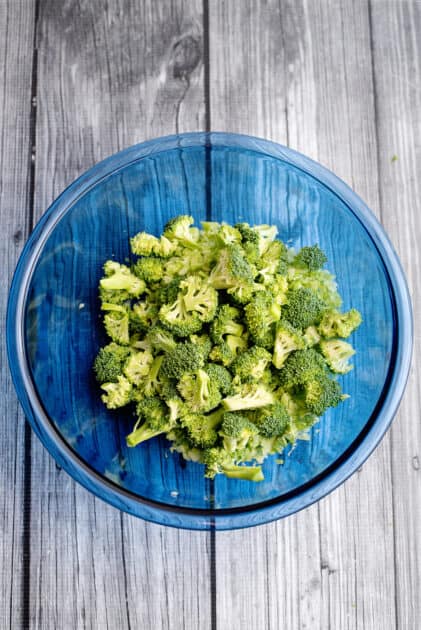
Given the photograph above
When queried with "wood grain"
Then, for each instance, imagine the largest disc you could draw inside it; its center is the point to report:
(304, 77)
(397, 73)
(16, 49)
(109, 77)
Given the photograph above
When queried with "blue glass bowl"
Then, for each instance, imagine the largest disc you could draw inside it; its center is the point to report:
(54, 331)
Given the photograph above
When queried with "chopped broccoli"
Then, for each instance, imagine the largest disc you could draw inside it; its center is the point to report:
(199, 391)
(335, 324)
(337, 352)
(225, 339)
(304, 308)
(287, 339)
(250, 365)
(109, 362)
(186, 357)
(249, 397)
(311, 257)
(117, 394)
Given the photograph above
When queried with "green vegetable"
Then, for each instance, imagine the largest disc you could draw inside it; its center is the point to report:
(225, 342)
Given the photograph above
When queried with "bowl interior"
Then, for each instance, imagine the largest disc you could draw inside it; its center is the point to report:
(63, 329)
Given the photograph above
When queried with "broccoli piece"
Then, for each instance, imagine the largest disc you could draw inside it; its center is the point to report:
(313, 258)
(199, 391)
(160, 340)
(120, 278)
(216, 462)
(178, 230)
(321, 282)
(225, 323)
(287, 339)
(178, 319)
(138, 366)
(335, 324)
(260, 313)
(154, 414)
(151, 383)
(251, 364)
(149, 269)
(337, 352)
(237, 433)
(228, 234)
(168, 293)
(304, 308)
(321, 394)
(274, 261)
(249, 396)
(200, 429)
(221, 376)
(271, 421)
(117, 394)
(116, 323)
(227, 351)
(203, 343)
(311, 337)
(109, 362)
(143, 316)
(170, 395)
(186, 357)
(244, 291)
(144, 244)
(199, 297)
(231, 269)
(302, 366)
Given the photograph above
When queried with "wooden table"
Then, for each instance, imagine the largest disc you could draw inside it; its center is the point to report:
(337, 80)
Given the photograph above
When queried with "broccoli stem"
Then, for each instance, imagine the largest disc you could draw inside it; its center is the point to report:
(142, 434)
(249, 473)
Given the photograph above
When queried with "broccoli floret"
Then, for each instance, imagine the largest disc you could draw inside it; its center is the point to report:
(287, 339)
(250, 365)
(199, 391)
(225, 323)
(271, 421)
(150, 269)
(109, 362)
(304, 308)
(217, 461)
(186, 357)
(160, 339)
(337, 353)
(167, 293)
(244, 291)
(137, 366)
(178, 230)
(274, 261)
(321, 282)
(201, 429)
(151, 383)
(321, 394)
(228, 234)
(199, 297)
(178, 319)
(227, 351)
(221, 376)
(249, 396)
(231, 269)
(144, 244)
(203, 343)
(335, 324)
(120, 278)
(117, 394)
(302, 366)
(143, 315)
(261, 313)
(313, 258)
(154, 414)
(116, 323)
(237, 432)
(169, 393)
(311, 337)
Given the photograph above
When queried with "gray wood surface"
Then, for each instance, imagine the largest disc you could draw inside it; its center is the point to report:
(337, 80)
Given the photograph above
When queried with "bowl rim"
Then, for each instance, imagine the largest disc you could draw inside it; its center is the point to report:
(198, 518)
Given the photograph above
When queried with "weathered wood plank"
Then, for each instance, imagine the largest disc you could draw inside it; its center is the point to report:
(300, 73)
(16, 37)
(109, 76)
(397, 72)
